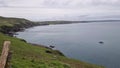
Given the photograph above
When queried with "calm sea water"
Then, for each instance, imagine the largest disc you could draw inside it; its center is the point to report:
(81, 41)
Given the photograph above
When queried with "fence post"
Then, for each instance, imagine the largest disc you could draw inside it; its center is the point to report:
(4, 54)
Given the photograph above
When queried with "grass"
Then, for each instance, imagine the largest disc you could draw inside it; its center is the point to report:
(25, 55)
(9, 21)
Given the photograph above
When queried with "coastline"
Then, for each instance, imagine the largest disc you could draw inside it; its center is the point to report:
(34, 53)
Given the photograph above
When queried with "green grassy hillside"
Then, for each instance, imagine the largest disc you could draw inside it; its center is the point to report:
(21, 22)
(25, 55)
(10, 25)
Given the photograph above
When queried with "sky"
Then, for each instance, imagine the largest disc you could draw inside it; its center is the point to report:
(60, 9)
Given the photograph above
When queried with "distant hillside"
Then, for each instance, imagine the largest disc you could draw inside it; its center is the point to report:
(9, 25)
(16, 22)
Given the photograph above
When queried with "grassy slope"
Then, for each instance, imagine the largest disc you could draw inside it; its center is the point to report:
(15, 24)
(12, 21)
(27, 56)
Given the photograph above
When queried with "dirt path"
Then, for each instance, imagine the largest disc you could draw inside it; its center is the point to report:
(4, 55)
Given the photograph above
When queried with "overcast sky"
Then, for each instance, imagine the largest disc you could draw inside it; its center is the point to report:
(49, 9)
(58, 3)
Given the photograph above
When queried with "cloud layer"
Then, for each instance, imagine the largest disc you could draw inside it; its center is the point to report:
(58, 3)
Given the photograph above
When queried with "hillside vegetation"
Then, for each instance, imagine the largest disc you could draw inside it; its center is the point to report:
(25, 55)
(10, 25)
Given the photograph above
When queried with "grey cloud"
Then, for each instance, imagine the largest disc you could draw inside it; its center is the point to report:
(4, 3)
(59, 3)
